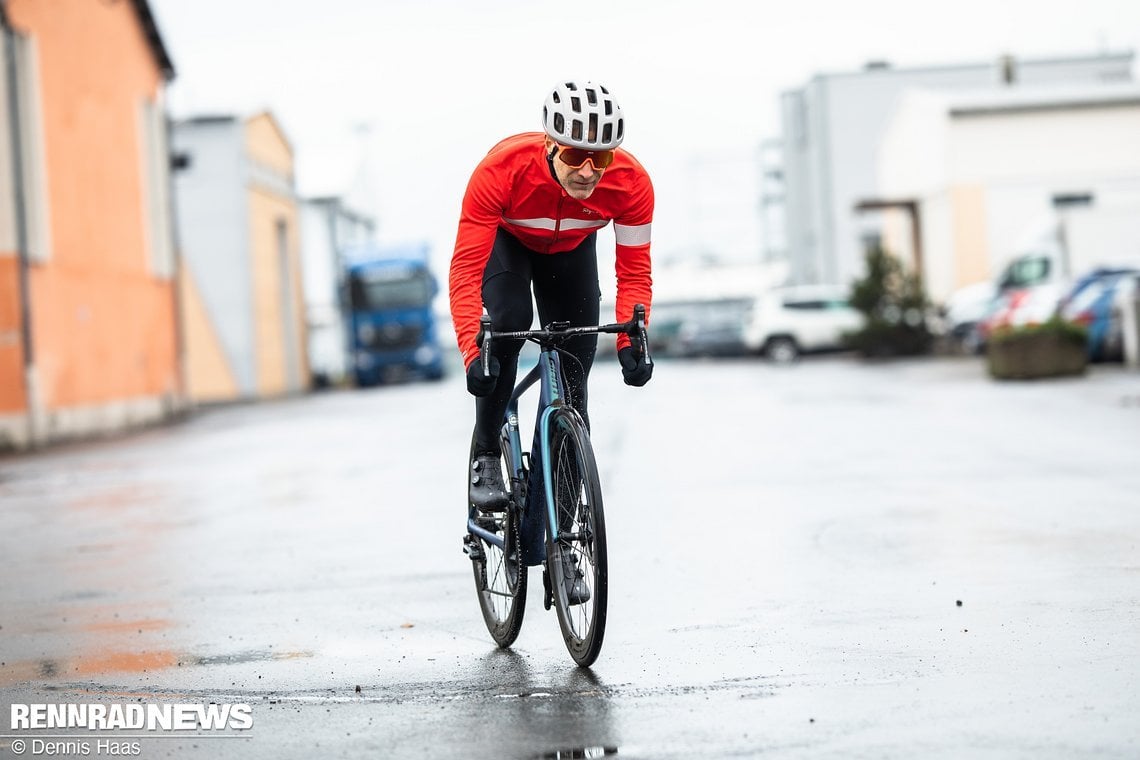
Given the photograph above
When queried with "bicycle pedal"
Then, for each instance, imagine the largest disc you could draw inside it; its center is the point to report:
(472, 548)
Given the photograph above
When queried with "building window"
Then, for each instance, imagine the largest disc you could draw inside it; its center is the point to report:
(291, 347)
(7, 180)
(29, 128)
(155, 162)
(1072, 200)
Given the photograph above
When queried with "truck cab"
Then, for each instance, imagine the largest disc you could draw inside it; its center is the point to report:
(392, 328)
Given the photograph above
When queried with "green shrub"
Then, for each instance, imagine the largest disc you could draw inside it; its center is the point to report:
(1063, 330)
(894, 309)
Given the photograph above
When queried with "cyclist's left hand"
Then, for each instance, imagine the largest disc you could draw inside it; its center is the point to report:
(477, 384)
(634, 370)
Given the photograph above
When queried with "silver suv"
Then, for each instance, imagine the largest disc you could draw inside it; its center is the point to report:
(785, 322)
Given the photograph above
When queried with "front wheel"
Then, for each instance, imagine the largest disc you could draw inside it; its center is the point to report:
(500, 576)
(576, 539)
(782, 350)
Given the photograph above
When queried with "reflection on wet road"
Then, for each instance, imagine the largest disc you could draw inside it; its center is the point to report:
(827, 560)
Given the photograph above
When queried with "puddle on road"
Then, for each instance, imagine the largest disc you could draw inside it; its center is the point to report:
(117, 497)
(129, 662)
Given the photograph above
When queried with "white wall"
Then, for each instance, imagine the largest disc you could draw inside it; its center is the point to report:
(1025, 159)
(1020, 154)
(833, 125)
(1065, 147)
(213, 233)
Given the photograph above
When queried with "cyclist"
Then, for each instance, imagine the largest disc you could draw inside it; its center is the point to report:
(530, 218)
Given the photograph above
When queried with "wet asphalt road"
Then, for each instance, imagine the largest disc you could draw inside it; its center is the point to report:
(788, 548)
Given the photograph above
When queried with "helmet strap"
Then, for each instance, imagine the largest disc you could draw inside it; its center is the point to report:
(550, 163)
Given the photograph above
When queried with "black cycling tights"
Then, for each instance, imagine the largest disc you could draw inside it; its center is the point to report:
(566, 290)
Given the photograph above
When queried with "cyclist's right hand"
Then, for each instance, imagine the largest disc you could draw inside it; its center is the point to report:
(477, 384)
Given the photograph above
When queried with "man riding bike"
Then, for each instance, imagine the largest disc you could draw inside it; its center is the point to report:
(529, 219)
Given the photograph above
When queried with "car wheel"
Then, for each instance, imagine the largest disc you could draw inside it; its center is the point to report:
(782, 350)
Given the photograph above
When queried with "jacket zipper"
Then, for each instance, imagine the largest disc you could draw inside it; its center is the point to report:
(557, 222)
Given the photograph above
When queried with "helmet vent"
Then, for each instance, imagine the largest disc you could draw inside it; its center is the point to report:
(559, 123)
(608, 133)
(576, 104)
(591, 96)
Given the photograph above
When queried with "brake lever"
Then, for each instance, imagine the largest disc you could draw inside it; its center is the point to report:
(484, 340)
(640, 340)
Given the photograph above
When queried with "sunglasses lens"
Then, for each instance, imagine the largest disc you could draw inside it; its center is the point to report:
(576, 157)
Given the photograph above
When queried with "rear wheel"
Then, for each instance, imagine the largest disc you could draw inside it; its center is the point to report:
(576, 556)
(500, 578)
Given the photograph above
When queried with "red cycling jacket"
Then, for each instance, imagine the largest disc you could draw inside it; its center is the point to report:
(513, 188)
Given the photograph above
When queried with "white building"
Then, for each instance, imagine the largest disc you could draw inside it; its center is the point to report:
(831, 131)
(327, 227)
(982, 169)
(241, 296)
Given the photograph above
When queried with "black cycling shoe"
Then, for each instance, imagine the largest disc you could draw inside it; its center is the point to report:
(577, 592)
(487, 491)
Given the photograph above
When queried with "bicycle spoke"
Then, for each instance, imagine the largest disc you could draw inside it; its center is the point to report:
(499, 581)
(581, 592)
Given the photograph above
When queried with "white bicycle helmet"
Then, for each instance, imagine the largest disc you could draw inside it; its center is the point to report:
(583, 116)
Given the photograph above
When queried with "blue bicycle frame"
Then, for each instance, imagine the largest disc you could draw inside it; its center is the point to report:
(552, 400)
(548, 373)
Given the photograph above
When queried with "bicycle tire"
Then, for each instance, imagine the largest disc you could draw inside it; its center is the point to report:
(500, 582)
(577, 495)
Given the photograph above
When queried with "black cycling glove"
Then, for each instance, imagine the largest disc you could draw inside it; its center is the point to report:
(633, 368)
(477, 384)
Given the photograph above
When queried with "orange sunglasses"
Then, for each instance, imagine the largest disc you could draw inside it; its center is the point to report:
(576, 158)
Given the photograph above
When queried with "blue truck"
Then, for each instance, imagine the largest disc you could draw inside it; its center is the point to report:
(393, 331)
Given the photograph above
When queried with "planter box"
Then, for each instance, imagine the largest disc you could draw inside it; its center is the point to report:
(1036, 353)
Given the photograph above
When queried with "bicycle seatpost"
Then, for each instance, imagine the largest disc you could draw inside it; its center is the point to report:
(484, 340)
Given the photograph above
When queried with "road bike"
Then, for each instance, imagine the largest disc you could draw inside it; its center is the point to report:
(554, 516)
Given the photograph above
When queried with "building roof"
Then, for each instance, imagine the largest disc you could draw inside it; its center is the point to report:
(274, 123)
(885, 68)
(153, 38)
(1042, 98)
(150, 31)
(207, 119)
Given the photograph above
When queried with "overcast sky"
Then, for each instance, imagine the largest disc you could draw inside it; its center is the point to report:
(393, 102)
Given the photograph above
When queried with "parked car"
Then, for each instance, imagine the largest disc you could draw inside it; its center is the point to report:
(1014, 308)
(964, 309)
(1096, 301)
(786, 322)
(711, 328)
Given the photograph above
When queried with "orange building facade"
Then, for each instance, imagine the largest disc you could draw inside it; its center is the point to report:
(88, 309)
